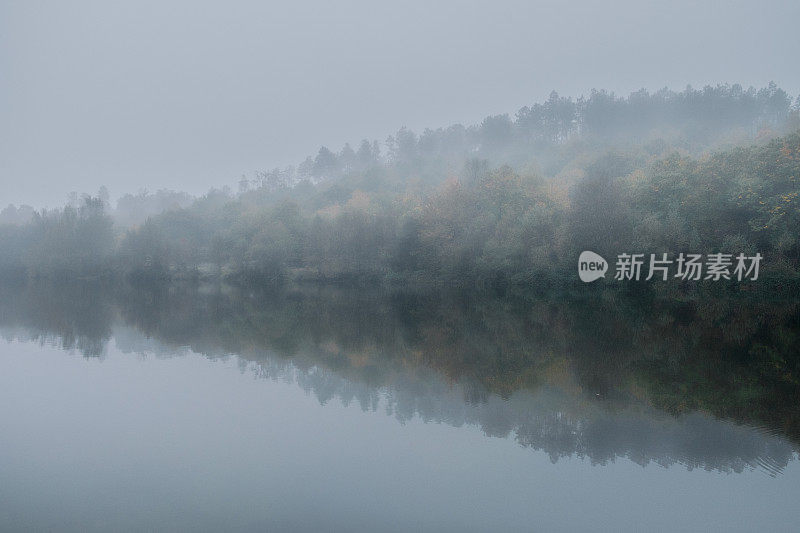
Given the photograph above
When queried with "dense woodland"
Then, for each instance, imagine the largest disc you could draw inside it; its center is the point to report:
(506, 205)
(508, 202)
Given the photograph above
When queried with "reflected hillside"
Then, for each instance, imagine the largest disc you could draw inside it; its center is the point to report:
(706, 380)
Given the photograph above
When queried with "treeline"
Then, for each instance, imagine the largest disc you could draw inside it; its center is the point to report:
(692, 119)
(130, 210)
(420, 215)
(499, 227)
(74, 241)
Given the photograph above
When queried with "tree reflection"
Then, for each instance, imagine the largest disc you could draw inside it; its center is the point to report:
(706, 380)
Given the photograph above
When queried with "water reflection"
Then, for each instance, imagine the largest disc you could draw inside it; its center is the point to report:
(710, 382)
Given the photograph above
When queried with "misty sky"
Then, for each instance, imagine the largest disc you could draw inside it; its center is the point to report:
(191, 94)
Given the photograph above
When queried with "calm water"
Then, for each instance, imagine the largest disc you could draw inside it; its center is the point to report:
(321, 410)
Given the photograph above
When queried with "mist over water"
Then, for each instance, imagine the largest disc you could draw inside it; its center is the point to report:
(360, 266)
(205, 408)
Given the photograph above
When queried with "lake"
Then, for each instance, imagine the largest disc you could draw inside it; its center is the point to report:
(210, 408)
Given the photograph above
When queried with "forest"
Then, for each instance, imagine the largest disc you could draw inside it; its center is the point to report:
(510, 202)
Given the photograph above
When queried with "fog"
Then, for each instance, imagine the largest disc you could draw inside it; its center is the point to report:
(191, 95)
(228, 228)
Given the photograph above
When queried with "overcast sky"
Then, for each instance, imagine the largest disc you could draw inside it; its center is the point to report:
(191, 94)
